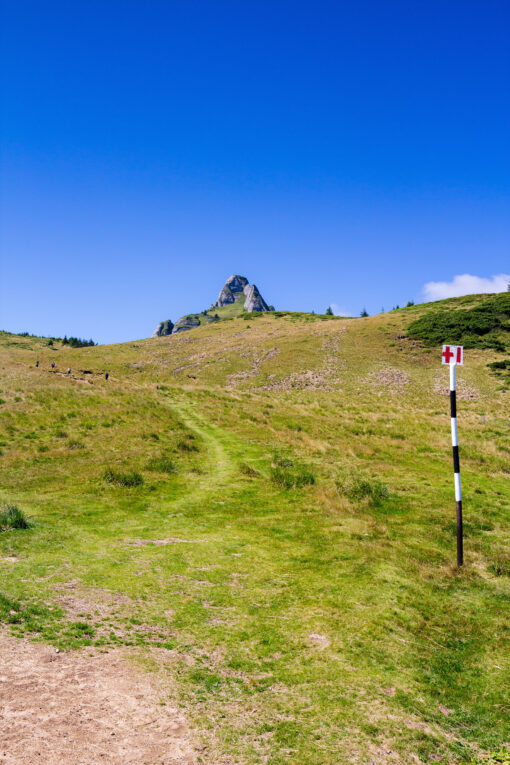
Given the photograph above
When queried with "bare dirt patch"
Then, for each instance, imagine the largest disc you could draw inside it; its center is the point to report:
(321, 641)
(324, 377)
(257, 360)
(391, 379)
(464, 392)
(78, 709)
(160, 542)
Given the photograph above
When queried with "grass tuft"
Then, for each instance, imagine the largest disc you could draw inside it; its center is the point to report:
(161, 464)
(11, 517)
(289, 474)
(118, 478)
(361, 487)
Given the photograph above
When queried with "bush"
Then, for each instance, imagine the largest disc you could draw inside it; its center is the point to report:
(361, 487)
(11, 517)
(117, 478)
(472, 328)
(288, 474)
(161, 464)
(501, 369)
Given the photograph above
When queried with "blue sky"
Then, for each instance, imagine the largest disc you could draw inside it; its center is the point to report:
(332, 152)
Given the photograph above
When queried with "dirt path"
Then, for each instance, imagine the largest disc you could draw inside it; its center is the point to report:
(86, 707)
(75, 709)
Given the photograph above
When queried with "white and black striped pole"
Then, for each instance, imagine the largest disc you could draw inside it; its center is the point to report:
(453, 355)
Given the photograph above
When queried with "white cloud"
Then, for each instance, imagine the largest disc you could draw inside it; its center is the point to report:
(339, 310)
(465, 284)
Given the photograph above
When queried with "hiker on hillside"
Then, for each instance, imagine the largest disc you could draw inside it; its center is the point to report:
(106, 375)
(53, 365)
(68, 370)
(36, 364)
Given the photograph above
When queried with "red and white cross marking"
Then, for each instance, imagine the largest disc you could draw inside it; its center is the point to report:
(452, 354)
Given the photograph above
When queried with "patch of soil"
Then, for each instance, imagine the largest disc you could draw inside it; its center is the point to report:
(258, 359)
(464, 392)
(391, 379)
(78, 709)
(159, 542)
(323, 378)
(321, 641)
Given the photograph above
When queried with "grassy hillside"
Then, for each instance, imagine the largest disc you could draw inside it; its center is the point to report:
(287, 550)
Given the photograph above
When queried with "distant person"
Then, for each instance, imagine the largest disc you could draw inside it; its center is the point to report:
(53, 365)
(36, 363)
(106, 375)
(68, 370)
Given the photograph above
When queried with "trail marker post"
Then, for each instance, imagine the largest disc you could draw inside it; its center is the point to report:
(453, 355)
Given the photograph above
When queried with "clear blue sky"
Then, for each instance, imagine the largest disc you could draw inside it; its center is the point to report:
(332, 152)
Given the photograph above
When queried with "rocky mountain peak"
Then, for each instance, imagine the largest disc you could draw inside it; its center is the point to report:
(236, 290)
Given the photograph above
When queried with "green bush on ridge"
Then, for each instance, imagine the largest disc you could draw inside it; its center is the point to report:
(484, 326)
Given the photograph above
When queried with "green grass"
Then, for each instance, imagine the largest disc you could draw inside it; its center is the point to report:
(290, 550)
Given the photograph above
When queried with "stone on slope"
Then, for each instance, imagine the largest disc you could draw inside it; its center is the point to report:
(185, 323)
(163, 328)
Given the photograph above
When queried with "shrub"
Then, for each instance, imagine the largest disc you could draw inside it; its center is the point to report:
(117, 478)
(161, 464)
(11, 517)
(501, 369)
(361, 487)
(473, 327)
(289, 474)
(60, 433)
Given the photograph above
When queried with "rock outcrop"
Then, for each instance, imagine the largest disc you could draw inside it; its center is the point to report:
(237, 296)
(185, 323)
(254, 300)
(232, 290)
(163, 328)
